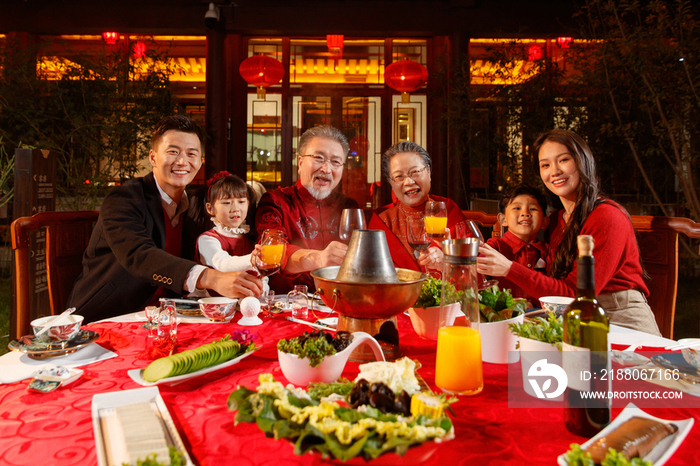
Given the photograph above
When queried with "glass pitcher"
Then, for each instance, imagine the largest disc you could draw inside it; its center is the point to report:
(458, 368)
(298, 301)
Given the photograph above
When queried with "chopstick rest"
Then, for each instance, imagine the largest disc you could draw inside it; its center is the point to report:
(48, 380)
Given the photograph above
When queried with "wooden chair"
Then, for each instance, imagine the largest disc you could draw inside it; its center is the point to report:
(67, 236)
(658, 243)
(485, 220)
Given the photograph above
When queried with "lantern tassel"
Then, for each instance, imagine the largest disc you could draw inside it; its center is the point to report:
(261, 93)
(405, 98)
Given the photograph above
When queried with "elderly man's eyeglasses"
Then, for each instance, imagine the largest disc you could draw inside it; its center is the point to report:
(413, 174)
(320, 160)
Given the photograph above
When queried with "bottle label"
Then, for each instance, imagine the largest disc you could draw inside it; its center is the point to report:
(577, 365)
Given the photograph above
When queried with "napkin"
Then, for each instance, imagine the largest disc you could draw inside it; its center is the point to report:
(16, 366)
(624, 336)
(133, 317)
(141, 317)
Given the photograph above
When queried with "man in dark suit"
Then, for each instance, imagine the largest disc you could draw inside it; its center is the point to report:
(143, 243)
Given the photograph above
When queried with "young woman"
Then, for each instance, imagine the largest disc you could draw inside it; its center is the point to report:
(568, 170)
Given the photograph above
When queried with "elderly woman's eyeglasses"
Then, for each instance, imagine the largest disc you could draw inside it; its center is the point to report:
(413, 174)
(320, 160)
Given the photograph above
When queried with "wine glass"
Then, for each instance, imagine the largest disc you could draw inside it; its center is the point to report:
(436, 219)
(477, 234)
(269, 260)
(351, 220)
(151, 316)
(417, 237)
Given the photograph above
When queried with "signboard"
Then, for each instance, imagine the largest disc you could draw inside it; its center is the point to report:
(35, 191)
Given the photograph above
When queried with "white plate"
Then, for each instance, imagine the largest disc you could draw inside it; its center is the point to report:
(137, 374)
(103, 405)
(663, 450)
(331, 322)
(629, 358)
(318, 307)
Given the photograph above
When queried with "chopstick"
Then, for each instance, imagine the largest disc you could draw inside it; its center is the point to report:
(320, 327)
(683, 346)
(185, 301)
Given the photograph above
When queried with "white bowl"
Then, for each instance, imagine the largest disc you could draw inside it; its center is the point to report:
(299, 371)
(217, 309)
(498, 343)
(68, 328)
(426, 321)
(533, 352)
(556, 304)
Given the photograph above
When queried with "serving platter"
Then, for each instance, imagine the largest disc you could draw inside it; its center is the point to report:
(137, 374)
(37, 348)
(104, 417)
(661, 452)
(675, 361)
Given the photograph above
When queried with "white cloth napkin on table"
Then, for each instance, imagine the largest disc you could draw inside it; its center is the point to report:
(16, 366)
(133, 317)
(624, 336)
(141, 317)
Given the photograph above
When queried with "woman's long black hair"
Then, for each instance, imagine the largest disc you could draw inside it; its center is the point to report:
(588, 197)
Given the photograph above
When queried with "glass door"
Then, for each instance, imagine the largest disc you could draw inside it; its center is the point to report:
(361, 124)
(359, 118)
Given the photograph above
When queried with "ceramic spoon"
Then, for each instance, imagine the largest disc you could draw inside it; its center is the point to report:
(55, 321)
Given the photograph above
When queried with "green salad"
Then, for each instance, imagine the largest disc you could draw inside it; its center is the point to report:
(549, 330)
(431, 291)
(316, 345)
(496, 304)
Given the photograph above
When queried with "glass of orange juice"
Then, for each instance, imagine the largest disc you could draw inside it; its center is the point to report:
(458, 368)
(269, 260)
(435, 219)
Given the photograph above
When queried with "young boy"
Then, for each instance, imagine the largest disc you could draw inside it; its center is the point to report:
(523, 213)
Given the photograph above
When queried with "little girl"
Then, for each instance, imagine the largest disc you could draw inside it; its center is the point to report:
(226, 246)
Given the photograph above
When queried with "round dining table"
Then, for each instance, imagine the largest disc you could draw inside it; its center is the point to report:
(56, 428)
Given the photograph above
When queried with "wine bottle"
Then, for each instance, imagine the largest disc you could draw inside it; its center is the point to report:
(585, 355)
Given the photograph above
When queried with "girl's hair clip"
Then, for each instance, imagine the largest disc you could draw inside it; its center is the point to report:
(218, 176)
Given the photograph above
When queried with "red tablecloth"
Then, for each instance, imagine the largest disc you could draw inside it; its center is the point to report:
(56, 428)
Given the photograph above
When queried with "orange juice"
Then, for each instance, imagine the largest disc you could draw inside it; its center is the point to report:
(435, 226)
(458, 367)
(272, 253)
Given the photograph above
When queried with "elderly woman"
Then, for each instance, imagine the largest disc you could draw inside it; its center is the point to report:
(407, 166)
(568, 170)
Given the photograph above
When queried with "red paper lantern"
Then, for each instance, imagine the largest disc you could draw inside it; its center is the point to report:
(261, 71)
(405, 76)
(565, 42)
(139, 50)
(335, 45)
(534, 53)
(110, 38)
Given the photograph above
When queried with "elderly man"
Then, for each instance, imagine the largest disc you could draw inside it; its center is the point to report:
(309, 212)
(137, 249)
